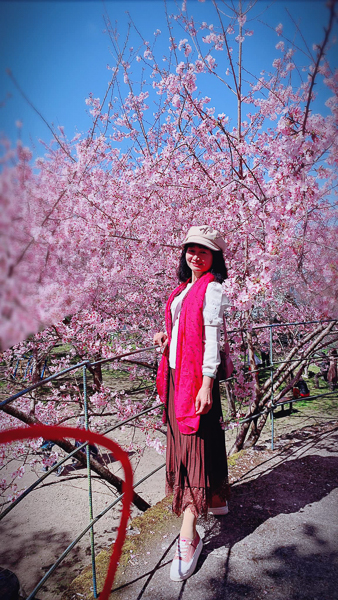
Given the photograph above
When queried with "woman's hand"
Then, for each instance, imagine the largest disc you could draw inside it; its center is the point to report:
(161, 339)
(203, 402)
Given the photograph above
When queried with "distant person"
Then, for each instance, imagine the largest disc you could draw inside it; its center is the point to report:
(323, 369)
(332, 376)
(324, 366)
(265, 354)
(80, 423)
(301, 385)
(46, 448)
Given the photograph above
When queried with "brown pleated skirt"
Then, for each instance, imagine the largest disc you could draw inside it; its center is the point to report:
(196, 465)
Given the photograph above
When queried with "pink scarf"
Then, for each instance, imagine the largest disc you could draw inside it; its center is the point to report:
(189, 356)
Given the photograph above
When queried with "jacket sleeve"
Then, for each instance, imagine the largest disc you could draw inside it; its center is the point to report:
(215, 302)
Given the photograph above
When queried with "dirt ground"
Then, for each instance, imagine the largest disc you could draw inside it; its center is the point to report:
(39, 529)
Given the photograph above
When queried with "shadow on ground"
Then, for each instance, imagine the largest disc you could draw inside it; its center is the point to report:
(25, 554)
(295, 572)
(286, 489)
(288, 558)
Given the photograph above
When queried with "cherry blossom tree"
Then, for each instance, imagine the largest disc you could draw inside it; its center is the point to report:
(92, 230)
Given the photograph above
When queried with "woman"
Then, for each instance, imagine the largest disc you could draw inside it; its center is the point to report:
(196, 465)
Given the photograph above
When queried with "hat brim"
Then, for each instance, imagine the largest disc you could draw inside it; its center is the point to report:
(201, 241)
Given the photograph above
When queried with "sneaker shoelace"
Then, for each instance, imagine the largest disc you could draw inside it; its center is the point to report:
(182, 548)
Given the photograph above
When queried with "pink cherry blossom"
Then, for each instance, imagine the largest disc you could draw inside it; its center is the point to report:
(91, 230)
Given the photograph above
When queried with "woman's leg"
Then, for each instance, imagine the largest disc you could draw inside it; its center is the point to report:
(188, 548)
(188, 529)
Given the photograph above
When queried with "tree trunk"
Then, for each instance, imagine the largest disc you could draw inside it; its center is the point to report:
(97, 376)
(255, 433)
(230, 398)
(80, 456)
(299, 363)
(257, 391)
(282, 372)
(322, 328)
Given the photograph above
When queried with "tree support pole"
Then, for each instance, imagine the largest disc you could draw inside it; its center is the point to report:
(90, 495)
(271, 372)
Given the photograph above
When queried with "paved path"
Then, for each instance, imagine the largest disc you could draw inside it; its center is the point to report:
(279, 541)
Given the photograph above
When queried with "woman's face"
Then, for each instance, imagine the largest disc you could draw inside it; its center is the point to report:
(199, 259)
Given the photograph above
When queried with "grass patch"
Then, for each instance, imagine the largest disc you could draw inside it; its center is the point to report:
(234, 458)
(115, 374)
(61, 350)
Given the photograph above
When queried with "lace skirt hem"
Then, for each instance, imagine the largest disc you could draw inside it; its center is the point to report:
(196, 465)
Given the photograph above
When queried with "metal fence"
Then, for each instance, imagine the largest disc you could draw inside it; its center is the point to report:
(85, 365)
(272, 406)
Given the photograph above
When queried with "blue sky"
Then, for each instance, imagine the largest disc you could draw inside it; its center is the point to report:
(59, 53)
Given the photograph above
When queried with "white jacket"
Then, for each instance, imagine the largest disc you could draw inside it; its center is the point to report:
(215, 302)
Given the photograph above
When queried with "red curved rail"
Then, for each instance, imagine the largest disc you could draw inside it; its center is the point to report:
(57, 433)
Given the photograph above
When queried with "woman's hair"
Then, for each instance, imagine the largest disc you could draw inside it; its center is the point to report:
(218, 268)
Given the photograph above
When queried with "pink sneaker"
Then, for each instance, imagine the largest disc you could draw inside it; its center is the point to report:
(185, 559)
